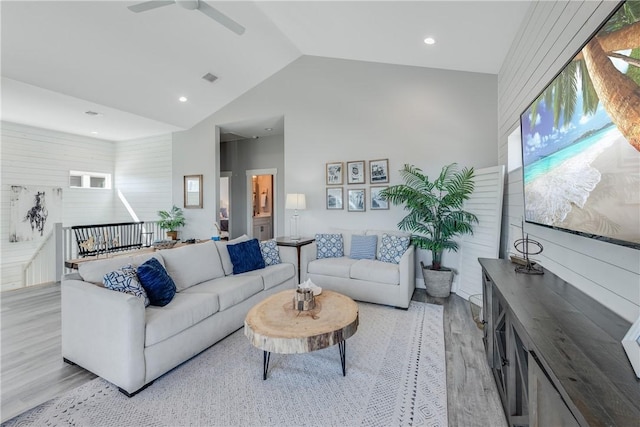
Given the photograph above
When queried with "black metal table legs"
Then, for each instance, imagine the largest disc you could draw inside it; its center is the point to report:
(342, 347)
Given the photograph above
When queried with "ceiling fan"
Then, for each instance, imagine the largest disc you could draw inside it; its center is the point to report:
(203, 7)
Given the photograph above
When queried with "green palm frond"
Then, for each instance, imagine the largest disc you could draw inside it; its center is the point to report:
(435, 215)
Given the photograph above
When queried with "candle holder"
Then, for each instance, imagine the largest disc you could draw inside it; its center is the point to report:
(304, 300)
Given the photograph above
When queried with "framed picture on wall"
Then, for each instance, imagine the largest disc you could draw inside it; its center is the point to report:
(356, 172)
(377, 202)
(379, 171)
(334, 198)
(334, 173)
(356, 200)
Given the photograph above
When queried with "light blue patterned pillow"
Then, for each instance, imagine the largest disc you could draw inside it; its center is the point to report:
(329, 245)
(270, 252)
(392, 248)
(125, 280)
(363, 247)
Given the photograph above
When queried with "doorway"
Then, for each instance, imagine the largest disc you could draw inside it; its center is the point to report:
(224, 215)
(261, 193)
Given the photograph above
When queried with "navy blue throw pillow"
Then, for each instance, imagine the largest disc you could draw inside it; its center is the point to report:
(156, 282)
(246, 256)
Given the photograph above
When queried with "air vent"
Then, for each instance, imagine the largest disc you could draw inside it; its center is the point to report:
(91, 113)
(210, 77)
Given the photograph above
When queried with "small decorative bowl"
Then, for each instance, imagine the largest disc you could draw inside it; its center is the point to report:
(164, 244)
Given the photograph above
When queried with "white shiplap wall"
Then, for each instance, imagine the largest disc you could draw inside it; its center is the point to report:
(549, 36)
(143, 176)
(32, 156)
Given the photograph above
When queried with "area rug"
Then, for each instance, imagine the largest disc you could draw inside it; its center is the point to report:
(396, 376)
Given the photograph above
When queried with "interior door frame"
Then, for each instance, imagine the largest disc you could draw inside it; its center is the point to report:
(249, 198)
(229, 175)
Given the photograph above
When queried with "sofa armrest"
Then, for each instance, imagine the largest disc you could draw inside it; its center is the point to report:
(104, 332)
(408, 272)
(307, 254)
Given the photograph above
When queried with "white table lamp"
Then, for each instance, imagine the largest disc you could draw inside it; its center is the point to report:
(295, 202)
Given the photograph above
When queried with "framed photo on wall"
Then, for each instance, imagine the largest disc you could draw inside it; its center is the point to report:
(334, 198)
(379, 171)
(356, 200)
(377, 202)
(356, 172)
(334, 173)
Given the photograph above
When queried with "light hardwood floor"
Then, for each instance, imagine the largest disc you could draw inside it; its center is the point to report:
(32, 370)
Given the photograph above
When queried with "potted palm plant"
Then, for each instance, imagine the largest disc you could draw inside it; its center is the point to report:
(171, 220)
(435, 217)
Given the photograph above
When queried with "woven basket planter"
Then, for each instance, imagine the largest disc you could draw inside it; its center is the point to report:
(437, 282)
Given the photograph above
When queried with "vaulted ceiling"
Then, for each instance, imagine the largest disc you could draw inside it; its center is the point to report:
(61, 59)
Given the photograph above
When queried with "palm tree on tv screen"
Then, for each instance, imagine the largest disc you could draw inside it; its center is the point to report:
(600, 80)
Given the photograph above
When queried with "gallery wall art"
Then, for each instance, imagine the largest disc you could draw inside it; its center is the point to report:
(34, 211)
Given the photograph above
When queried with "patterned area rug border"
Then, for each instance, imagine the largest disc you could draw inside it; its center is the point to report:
(396, 375)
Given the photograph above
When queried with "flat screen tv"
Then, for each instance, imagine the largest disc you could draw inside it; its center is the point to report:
(581, 138)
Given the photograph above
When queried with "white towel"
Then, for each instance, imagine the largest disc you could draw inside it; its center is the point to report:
(263, 200)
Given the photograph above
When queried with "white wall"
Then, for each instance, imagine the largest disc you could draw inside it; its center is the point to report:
(40, 157)
(341, 110)
(550, 35)
(144, 178)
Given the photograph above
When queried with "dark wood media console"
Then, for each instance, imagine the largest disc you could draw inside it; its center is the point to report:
(555, 353)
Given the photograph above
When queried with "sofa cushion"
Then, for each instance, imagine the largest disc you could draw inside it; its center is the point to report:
(274, 275)
(184, 311)
(246, 256)
(337, 267)
(230, 290)
(94, 271)
(270, 252)
(346, 237)
(227, 265)
(363, 247)
(156, 282)
(379, 233)
(192, 264)
(392, 248)
(376, 271)
(329, 245)
(138, 260)
(126, 280)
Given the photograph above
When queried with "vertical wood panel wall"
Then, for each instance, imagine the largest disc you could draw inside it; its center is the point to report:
(549, 36)
(143, 176)
(40, 157)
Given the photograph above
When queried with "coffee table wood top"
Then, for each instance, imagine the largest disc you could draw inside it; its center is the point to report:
(273, 325)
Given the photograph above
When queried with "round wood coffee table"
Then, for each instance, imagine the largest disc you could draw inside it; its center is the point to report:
(274, 326)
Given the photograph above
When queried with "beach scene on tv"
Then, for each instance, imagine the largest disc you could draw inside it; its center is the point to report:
(581, 138)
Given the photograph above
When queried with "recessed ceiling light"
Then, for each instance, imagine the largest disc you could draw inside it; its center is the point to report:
(94, 133)
(268, 129)
(429, 40)
(182, 99)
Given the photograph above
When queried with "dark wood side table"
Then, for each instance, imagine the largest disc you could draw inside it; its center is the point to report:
(298, 243)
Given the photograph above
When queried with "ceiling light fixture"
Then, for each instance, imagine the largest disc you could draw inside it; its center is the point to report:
(182, 99)
(94, 133)
(210, 77)
(268, 129)
(429, 40)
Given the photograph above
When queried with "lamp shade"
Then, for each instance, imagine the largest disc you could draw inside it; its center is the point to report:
(296, 201)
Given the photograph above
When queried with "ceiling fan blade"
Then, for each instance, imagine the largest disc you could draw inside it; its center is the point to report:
(148, 5)
(221, 18)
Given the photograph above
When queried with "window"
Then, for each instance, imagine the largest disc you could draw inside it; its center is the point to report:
(89, 180)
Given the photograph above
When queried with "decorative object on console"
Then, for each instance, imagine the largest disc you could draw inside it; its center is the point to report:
(631, 344)
(334, 173)
(523, 246)
(164, 244)
(356, 172)
(356, 200)
(379, 171)
(334, 198)
(436, 214)
(296, 202)
(171, 220)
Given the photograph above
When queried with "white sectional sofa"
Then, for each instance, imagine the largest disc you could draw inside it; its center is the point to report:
(369, 280)
(113, 335)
